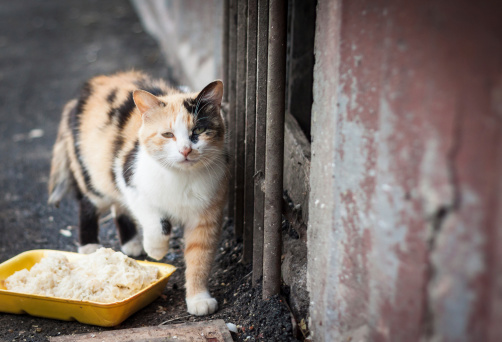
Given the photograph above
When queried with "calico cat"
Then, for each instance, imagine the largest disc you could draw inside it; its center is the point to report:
(156, 158)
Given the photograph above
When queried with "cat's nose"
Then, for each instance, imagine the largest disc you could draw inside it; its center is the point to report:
(186, 151)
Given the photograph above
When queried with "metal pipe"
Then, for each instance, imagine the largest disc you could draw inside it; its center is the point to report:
(232, 44)
(260, 133)
(247, 254)
(224, 48)
(240, 119)
(274, 157)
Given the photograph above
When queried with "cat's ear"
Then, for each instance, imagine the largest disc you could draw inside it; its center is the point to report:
(212, 93)
(145, 101)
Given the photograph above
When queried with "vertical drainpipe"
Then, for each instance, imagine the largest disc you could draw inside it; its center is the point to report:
(230, 87)
(260, 133)
(274, 157)
(247, 253)
(240, 117)
(224, 48)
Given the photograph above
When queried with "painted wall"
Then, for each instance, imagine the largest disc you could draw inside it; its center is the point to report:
(405, 218)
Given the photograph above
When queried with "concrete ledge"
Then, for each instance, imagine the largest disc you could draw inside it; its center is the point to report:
(194, 331)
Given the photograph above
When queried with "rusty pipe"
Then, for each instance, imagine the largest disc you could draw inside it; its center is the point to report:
(274, 156)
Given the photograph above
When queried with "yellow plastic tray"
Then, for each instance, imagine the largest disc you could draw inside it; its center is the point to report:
(102, 314)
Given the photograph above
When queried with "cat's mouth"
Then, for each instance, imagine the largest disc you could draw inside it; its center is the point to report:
(187, 162)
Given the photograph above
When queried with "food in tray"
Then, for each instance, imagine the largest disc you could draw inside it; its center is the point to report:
(104, 276)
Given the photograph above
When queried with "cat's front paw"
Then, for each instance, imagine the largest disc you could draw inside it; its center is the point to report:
(201, 304)
(133, 247)
(156, 250)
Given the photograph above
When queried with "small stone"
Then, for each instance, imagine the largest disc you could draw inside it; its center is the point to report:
(65, 232)
(232, 327)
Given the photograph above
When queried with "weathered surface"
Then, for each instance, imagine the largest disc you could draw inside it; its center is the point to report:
(190, 36)
(406, 171)
(260, 133)
(321, 231)
(294, 274)
(274, 148)
(210, 331)
(297, 166)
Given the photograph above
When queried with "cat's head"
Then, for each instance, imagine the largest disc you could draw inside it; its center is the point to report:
(183, 131)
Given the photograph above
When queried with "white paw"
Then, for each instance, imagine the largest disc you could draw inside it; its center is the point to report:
(201, 304)
(156, 249)
(133, 247)
(89, 248)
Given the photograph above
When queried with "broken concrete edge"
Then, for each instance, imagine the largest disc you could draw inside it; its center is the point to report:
(296, 185)
(297, 168)
(215, 330)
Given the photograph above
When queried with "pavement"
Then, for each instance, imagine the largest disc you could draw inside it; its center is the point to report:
(47, 50)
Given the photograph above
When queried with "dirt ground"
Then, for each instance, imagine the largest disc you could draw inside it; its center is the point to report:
(240, 303)
(47, 50)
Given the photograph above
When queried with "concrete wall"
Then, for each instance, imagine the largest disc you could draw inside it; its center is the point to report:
(189, 33)
(405, 228)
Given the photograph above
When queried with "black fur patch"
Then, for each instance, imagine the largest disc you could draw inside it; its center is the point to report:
(124, 111)
(166, 226)
(126, 228)
(117, 144)
(111, 114)
(75, 116)
(127, 168)
(88, 222)
(190, 105)
(111, 97)
(194, 138)
(122, 115)
(206, 116)
(85, 93)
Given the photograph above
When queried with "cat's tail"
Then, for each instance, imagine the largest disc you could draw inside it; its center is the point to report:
(61, 179)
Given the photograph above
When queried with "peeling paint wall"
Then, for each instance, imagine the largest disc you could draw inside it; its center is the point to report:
(405, 231)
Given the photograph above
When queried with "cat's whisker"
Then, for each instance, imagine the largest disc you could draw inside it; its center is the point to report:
(207, 165)
(215, 166)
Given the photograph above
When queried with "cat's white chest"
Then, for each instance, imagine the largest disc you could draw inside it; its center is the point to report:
(180, 196)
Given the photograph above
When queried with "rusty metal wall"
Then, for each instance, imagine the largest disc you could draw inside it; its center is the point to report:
(405, 231)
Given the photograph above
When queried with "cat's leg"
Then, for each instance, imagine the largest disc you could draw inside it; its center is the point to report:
(88, 226)
(201, 243)
(130, 239)
(156, 230)
(156, 234)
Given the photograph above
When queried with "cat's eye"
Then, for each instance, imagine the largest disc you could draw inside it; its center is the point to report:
(199, 130)
(168, 135)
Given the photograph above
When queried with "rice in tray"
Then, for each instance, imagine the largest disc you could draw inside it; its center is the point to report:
(104, 276)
